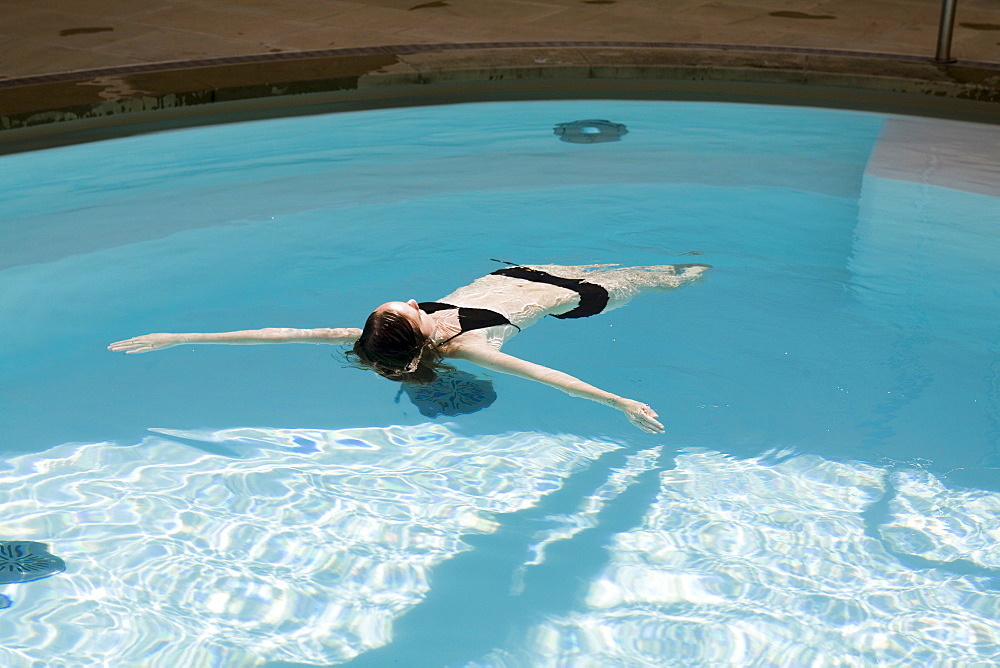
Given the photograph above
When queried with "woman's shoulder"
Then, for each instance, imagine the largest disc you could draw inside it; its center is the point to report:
(461, 345)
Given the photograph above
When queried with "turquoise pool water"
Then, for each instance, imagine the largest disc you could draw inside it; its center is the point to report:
(827, 490)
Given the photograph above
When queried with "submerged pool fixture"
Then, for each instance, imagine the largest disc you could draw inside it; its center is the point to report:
(590, 131)
(27, 561)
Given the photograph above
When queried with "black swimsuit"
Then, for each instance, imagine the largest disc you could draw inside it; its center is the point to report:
(593, 297)
(468, 318)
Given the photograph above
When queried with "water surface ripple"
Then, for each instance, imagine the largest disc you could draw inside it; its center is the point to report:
(309, 545)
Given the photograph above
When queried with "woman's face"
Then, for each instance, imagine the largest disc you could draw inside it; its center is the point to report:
(409, 310)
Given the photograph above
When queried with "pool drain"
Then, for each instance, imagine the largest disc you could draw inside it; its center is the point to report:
(590, 131)
(26, 561)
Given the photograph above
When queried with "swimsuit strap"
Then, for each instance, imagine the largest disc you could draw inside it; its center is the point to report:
(468, 318)
(593, 297)
(434, 307)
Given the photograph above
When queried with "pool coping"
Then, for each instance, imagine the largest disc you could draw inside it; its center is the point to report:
(56, 108)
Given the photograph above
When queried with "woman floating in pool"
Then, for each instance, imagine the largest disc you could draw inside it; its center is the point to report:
(407, 341)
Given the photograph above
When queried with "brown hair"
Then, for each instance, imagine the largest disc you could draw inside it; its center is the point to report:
(393, 348)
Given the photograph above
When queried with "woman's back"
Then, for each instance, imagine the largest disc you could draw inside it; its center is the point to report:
(523, 302)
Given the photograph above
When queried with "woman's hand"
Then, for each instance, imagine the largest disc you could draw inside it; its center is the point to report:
(146, 343)
(641, 415)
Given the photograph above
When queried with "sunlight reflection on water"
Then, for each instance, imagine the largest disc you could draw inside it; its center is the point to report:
(275, 555)
(741, 562)
(310, 544)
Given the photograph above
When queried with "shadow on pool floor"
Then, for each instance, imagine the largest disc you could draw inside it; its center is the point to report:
(466, 615)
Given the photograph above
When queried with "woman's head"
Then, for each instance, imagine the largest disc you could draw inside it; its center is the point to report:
(396, 343)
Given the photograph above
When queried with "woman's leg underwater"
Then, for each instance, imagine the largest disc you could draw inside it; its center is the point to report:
(626, 283)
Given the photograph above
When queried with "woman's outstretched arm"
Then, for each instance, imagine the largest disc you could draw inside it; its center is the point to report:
(246, 337)
(638, 413)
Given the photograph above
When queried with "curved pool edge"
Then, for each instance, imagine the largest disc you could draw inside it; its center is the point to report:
(62, 108)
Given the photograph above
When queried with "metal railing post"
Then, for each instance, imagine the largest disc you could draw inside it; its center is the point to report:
(945, 28)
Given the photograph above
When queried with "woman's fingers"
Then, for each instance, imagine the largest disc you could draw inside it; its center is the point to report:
(651, 424)
(126, 345)
(138, 344)
(643, 417)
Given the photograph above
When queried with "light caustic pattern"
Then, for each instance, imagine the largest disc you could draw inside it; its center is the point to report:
(745, 562)
(303, 549)
(587, 515)
(306, 545)
(939, 524)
